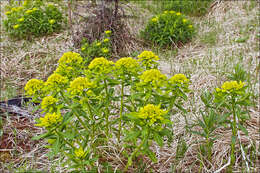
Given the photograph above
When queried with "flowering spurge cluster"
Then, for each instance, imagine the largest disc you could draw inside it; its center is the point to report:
(87, 105)
(33, 18)
(98, 48)
(168, 28)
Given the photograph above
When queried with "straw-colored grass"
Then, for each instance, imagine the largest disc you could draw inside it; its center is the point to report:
(206, 62)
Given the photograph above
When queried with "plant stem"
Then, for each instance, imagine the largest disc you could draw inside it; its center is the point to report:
(93, 119)
(129, 163)
(121, 111)
(58, 133)
(234, 134)
(107, 110)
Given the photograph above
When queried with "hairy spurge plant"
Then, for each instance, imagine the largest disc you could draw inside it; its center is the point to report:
(88, 106)
(32, 18)
(169, 28)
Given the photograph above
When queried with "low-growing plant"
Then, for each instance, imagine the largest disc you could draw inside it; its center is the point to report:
(33, 18)
(119, 103)
(98, 48)
(169, 28)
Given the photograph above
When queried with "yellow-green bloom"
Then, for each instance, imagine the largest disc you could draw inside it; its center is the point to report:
(147, 55)
(34, 9)
(33, 86)
(25, 3)
(49, 120)
(184, 20)
(101, 65)
(179, 79)
(16, 26)
(55, 80)
(106, 40)
(80, 84)
(108, 32)
(8, 12)
(155, 19)
(105, 50)
(20, 8)
(83, 48)
(98, 44)
(21, 19)
(14, 9)
(28, 11)
(52, 21)
(231, 86)
(80, 153)
(127, 64)
(48, 101)
(178, 14)
(70, 57)
(166, 12)
(151, 113)
(153, 76)
(172, 12)
(190, 26)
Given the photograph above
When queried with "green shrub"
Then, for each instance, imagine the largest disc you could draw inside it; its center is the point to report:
(106, 103)
(98, 48)
(168, 28)
(194, 8)
(33, 18)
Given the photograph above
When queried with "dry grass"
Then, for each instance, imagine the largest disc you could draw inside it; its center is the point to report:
(207, 66)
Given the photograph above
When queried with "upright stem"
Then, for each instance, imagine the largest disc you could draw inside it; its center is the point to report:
(234, 134)
(93, 119)
(121, 111)
(107, 110)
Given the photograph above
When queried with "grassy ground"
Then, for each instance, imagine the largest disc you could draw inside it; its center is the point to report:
(228, 35)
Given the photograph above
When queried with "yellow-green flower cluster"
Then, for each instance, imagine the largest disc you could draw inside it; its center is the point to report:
(101, 65)
(147, 55)
(33, 86)
(80, 84)
(52, 21)
(106, 40)
(16, 26)
(80, 153)
(148, 59)
(49, 120)
(108, 32)
(48, 101)
(105, 50)
(231, 86)
(179, 79)
(56, 81)
(126, 64)
(70, 57)
(154, 77)
(155, 19)
(151, 113)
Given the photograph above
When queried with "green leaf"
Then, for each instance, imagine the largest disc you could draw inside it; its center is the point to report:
(158, 139)
(44, 135)
(132, 135)
(243, 129)
(151, 155)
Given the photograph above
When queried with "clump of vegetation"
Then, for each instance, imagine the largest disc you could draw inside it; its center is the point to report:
(98, 48)
(169, 28)
(32, 18)
(81, 113)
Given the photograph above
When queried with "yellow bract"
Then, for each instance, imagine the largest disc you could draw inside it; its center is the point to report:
(55, 80)
(52, 21)
(48, 101)
(16, 26)
(49, 120)
(179, 78)
(8, 12)
(70, 57)
(184, 20)
(106, 40)
(105, 50)
(78, 85)
(101, 65)
(33, 86)
(230, 86)
(28, 11)
(154, 76)
(152, 113)
(98, 44)
(128, 64)
(80, 153)
(108, 32)
(178, 14)
(155, 19)
(147, 55)
(21, 19)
